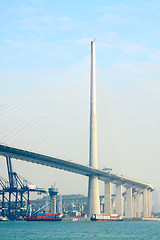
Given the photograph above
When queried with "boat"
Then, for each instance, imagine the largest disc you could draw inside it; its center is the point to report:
(3, 218)
(105, 217)
(42, 216)
(74, 219)
(20, 218)
(45, 217)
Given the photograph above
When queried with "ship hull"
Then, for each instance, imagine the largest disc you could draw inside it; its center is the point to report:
(106, 220)
(42, 220)
(105, 217)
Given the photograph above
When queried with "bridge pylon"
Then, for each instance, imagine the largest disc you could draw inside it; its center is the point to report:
(93, 187)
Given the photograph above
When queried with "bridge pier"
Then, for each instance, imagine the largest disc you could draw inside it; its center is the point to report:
(112, 205)
(149, 203)
(93, 196)
(107, 198)
(125, 205)
(129, 202)
(119, 202)
(145, 203)
(134, 206)
(138, 204)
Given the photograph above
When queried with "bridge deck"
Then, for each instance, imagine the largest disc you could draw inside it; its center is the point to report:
(69, 166)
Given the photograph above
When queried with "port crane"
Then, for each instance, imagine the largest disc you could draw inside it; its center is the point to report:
(15, 193)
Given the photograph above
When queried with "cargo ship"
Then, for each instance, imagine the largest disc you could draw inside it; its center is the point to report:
(106, 217)
(38, 216)
(45, 217)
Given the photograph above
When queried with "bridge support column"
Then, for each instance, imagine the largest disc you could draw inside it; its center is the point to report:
(145, 203)
(119, 203)
(129, 204)
(93, 196)
(134, 206)
(138, 205)
(125, 206)
(149, 203)
(107, 198)
(112, 205)
(101, 204)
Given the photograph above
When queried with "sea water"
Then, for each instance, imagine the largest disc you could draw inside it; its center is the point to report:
(86, 230)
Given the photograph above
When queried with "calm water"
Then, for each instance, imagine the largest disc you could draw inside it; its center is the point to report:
(80, 230)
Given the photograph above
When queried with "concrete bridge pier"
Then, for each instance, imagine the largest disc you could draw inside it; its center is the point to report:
(113, 204)
(125, 206)
(119, 200)
(129, 202)
(149, 203)
(134, 206)
(107, 198)
(93, 196)
(138, 204)
(145, 203)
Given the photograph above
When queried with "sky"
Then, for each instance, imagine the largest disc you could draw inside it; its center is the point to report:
(41, 39)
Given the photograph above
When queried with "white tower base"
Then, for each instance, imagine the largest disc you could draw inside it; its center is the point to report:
(93, 196)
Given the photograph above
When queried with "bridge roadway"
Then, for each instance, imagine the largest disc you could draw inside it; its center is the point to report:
(70, 166)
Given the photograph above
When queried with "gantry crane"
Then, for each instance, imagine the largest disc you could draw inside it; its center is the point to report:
(15, 193)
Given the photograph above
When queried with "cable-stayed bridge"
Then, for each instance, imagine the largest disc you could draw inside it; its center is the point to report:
(134, 189)
(107, 177)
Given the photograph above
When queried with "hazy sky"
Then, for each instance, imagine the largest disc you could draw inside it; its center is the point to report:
(39, 40)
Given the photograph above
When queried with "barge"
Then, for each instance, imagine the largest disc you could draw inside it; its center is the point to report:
(105, 217)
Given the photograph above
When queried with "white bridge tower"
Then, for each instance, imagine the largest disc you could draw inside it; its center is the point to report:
(93, 187)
